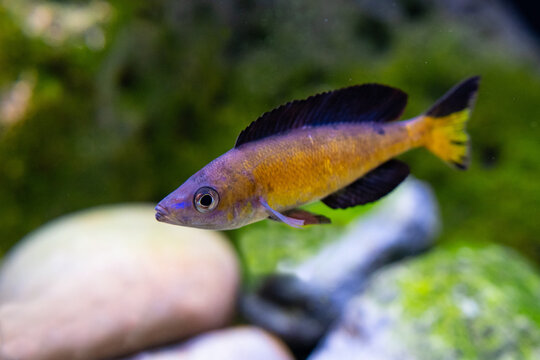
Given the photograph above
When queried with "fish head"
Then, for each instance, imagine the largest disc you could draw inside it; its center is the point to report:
(193, 204)
(213, 198)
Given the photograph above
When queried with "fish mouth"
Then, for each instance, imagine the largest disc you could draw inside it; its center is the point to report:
(163, 214)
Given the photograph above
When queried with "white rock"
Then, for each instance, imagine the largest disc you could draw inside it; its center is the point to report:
(110, 281)
(241, 343)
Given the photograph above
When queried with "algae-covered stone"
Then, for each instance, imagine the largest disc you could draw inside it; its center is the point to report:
(462, 303)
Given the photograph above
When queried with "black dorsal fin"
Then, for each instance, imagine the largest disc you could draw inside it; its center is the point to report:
(371, 187)
(360, 103)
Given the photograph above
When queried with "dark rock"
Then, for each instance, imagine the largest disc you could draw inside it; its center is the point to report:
(301, 305)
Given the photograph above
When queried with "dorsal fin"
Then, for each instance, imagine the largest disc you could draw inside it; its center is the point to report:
(360, 103)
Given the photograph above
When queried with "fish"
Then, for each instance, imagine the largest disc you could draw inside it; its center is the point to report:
(339, 147)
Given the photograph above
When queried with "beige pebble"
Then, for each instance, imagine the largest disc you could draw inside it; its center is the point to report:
(110, 281)
(240, 343)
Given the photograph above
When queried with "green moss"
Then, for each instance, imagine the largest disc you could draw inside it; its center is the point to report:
(481, 303)
(454, 303)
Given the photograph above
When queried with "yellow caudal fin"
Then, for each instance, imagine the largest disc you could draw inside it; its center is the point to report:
(447, 137)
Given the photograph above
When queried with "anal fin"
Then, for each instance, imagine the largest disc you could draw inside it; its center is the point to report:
(308, 217)
(371, 187)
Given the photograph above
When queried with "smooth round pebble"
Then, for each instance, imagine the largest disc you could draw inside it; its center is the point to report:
(111, 281)
(245, 343)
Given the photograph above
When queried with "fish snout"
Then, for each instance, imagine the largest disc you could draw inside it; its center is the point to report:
(162, 213)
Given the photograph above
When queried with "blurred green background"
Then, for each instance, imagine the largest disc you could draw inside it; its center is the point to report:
(121, 101)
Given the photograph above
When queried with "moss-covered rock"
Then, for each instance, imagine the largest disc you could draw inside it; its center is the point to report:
(460, 303)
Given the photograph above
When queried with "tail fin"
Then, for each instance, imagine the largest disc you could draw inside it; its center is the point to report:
(448, 138)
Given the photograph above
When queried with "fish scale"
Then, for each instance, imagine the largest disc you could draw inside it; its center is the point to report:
(294, 170)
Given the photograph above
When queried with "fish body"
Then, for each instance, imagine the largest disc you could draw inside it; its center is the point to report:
(337, 147)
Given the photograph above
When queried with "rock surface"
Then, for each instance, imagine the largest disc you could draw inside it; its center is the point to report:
(241, 343)
(301, 305)
(461, 303)
(110, 281)
(404, 224)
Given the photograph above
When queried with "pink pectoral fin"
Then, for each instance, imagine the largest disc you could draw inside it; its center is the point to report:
(296, 223)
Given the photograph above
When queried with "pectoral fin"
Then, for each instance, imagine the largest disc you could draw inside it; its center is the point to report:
(276, 215)
(371, 187)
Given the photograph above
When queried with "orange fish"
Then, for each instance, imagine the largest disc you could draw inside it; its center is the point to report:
(337, 147)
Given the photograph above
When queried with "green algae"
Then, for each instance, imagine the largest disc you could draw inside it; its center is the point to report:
(461, 303)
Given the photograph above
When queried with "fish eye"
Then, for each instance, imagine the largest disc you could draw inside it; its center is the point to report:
(206, 199)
